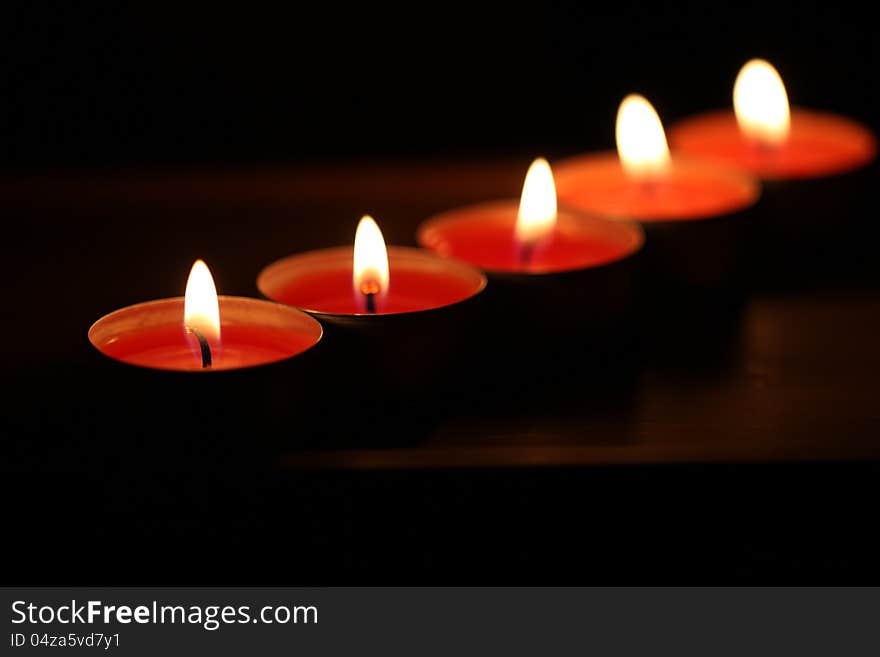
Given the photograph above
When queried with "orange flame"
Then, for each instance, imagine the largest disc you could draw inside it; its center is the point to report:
(641, 141)
(370, 269)
(761, 104)
(537, 205)
(201, 309)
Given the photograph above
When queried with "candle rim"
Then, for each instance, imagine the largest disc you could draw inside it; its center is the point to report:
(750, 185)
(346, 251)
(798, 114)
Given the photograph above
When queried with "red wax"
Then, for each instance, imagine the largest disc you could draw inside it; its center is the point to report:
(597, 183)
(819, 144)
(252, 332)
(485, 236)
(321, 282)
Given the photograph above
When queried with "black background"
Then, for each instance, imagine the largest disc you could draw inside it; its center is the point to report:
(143, 84)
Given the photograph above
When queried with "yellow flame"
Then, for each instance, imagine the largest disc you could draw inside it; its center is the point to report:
(641, 142)
(537, 205)
(370, 270)
(761, 104)
(201, 309)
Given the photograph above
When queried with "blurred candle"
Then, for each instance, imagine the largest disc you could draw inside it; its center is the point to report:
(816, 168)
(642, 181)
(691, 209)
(761, 134)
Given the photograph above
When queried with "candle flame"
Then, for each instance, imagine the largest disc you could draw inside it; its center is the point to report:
(761, 104)
(201, 309)
(641, 142)
(537, 205)
(370, 270)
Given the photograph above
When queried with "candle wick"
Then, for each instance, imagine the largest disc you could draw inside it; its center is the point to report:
(203, 345)
(369, 289)
(766, 150)
(525, 253)
(650, 186)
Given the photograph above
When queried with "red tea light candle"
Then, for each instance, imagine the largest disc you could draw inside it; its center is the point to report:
(202, 332)
(815, 166)
(764, 136)
(170, 416)
(562, 284)
(529, 237)
(691, 209)
(401, 314)
(369, 279)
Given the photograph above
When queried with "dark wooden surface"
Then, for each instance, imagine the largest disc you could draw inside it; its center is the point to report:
(799, 384)
(788, 377)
